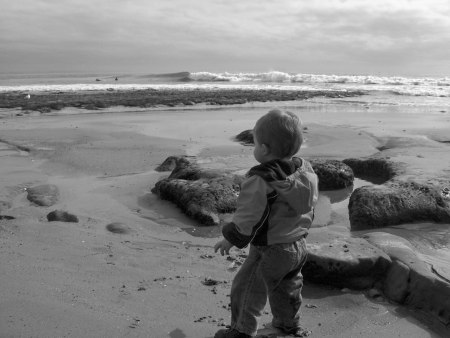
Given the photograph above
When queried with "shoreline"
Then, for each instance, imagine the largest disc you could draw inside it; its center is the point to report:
(148, 281)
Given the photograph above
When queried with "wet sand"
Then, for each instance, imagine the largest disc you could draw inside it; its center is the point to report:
(81, 280)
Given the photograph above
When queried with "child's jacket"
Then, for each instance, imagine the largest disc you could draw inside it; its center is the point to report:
(275, 205)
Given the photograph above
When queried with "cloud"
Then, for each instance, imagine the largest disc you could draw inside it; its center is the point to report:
(214, 34)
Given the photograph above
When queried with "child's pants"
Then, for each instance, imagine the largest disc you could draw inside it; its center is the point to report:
(272, 272)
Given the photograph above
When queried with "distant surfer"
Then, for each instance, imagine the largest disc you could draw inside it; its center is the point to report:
(117, 78)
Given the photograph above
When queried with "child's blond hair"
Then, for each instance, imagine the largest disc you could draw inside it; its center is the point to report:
(280, 131)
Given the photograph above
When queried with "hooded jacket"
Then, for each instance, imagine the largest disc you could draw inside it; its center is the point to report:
(275, 205)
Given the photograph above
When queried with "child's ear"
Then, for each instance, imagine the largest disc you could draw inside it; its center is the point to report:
(265, 149)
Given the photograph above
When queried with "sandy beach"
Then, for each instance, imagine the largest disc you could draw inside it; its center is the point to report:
(62, 279)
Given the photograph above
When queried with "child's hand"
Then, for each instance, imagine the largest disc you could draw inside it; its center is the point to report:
(224, 246)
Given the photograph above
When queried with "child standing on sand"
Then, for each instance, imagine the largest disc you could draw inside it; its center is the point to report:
(274, 211)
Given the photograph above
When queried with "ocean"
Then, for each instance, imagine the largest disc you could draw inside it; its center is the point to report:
(403, 90)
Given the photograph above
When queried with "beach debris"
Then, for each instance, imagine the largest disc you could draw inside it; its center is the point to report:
(311, 306)
(208, 281)
(135, 322)
(206, 256)
(211, 320)
(61, 216)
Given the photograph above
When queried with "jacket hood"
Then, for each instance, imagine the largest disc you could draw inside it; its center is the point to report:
(293, 180)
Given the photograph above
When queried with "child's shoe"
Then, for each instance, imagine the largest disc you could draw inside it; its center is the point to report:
(230, 333)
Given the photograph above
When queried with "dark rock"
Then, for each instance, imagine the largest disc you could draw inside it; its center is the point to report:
(61, 216)
(379, 168)
(342, 261)
(171, 162)
(200, 194)
(43, 195)
(396, 202)
(332, 174)
(245, 137)
(202, 200)
(118, 228)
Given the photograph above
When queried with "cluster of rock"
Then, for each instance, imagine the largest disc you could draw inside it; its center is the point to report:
(206, 194)
(396, 201)
(375, 261)
(200, 194)
(46, 195)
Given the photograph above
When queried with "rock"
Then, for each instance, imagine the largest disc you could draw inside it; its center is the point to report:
(396, 281)
(332, 174)
(187, 170)
(118, 228)
(43, 195)
(202, 200)
(61, 216)
(379, 168)
(199, 193)
(411, 281)
(245, 137)
(343, 261)
(396, 202)
(171, 162)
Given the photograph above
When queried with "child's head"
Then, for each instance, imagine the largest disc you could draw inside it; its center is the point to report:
(277, 135)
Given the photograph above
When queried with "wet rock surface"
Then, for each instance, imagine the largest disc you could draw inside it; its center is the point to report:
(44, 195)
(343, 261)
(411, 281)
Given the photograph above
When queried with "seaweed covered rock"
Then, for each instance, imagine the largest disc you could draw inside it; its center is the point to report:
(200, 194)
(379, 168)
(333, 174)
(396, 202)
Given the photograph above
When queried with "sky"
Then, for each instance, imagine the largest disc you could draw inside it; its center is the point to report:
(344, 37)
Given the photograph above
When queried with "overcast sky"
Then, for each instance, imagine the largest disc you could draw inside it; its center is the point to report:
(380, 37)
